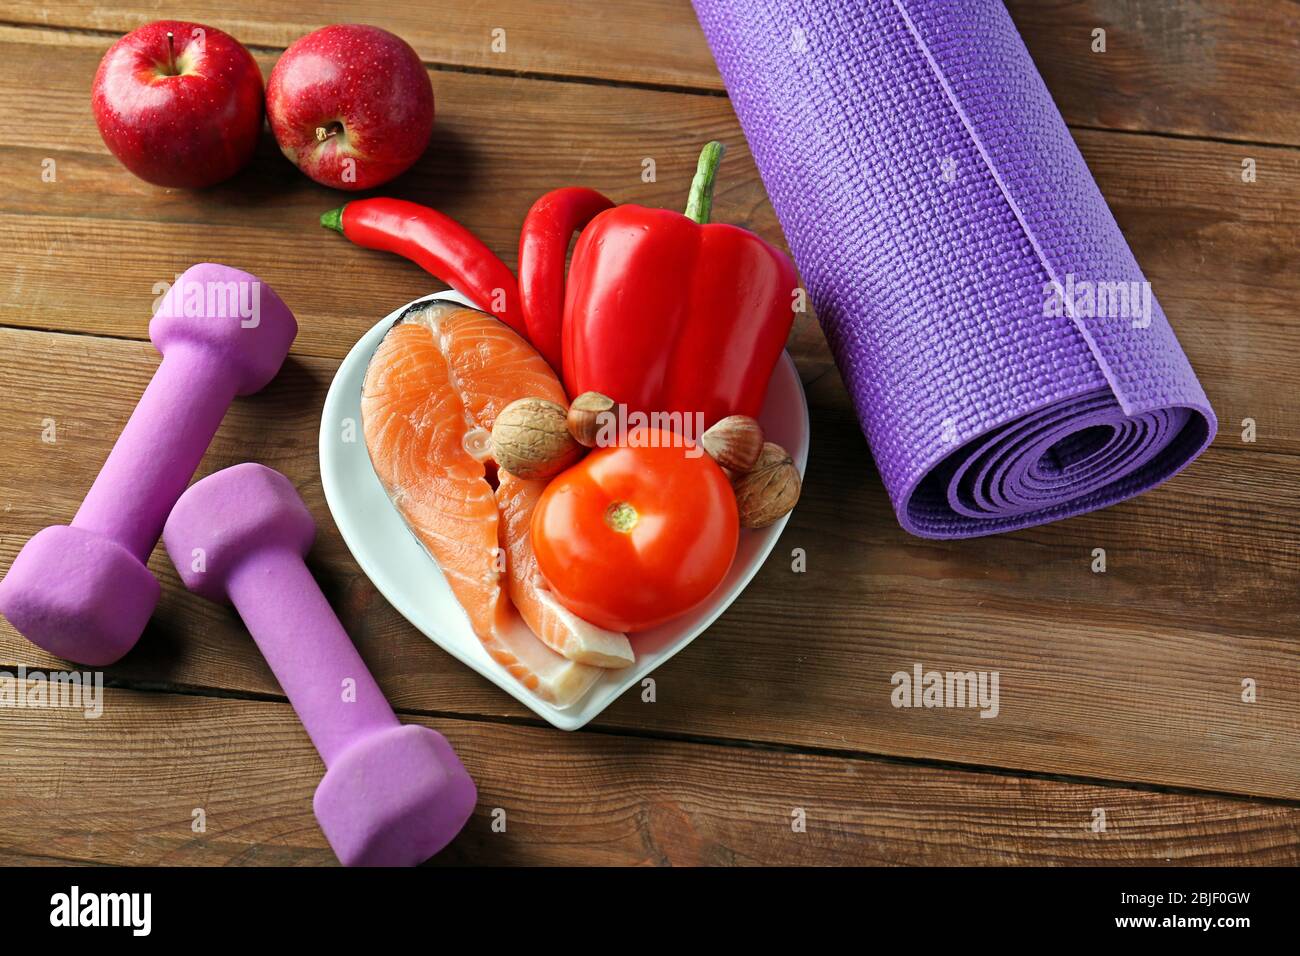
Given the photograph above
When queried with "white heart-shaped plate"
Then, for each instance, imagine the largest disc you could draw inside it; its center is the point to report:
(411, 581)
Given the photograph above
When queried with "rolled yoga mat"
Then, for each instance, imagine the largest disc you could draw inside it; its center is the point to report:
(1007, 360)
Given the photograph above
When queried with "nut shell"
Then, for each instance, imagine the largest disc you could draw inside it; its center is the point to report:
(734, 443)
(530, 439)
(586, 414)
(769, 490)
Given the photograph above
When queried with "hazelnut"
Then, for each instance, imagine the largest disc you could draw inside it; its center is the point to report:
(587, 415)
(734, 443)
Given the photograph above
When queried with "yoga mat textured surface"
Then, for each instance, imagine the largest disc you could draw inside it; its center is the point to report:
(932, 196)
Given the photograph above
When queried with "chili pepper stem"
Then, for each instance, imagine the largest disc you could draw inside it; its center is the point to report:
(699, 204)
(333, 219)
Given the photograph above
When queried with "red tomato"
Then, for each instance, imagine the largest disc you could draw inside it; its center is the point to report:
(632, 536)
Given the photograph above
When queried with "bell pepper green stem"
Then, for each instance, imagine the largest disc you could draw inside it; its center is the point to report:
(699, 204)
(333, 219)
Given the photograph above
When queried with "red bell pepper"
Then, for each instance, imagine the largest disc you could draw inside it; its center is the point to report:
(543, 245)
(436, 243)
(665, 312)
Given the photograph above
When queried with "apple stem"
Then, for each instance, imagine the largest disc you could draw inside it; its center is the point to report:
(325, 132)
(171, 53)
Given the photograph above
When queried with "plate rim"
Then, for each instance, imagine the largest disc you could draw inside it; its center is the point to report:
(571, 718)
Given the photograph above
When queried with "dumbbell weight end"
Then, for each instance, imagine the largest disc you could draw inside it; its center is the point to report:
(415, 793)
(82, 591)
(392, 794)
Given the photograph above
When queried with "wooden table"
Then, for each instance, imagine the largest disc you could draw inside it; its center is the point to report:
(1121, 692)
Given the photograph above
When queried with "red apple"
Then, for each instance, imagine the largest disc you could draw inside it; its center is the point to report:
(178, 103)
(351, 105)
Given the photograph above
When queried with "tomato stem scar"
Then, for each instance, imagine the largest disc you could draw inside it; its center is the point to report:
(621, 516)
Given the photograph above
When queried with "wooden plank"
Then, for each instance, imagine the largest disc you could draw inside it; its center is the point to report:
(18, 858)
(1134, 674)
(655, 42)
(1212, 68)
(1224, 255)
(1208, 68)
(151, 760)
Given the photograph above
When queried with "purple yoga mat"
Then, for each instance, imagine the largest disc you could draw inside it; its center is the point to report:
(1004, 353)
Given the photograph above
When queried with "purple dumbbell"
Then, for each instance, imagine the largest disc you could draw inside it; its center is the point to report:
(82, 591)
(393, 794)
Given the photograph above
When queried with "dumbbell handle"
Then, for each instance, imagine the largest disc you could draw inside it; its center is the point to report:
(308, 651)
(158, 450)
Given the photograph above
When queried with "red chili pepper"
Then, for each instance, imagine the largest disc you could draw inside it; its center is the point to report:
(436, 243)
(668, 314)
(543, 246)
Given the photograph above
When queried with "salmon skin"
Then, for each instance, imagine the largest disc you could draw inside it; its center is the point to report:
(432, 390)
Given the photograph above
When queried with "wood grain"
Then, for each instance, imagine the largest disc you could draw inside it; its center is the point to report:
(1134, 674)
(124, 788)
(632, 41)
(1213, 68)
(1209, 67)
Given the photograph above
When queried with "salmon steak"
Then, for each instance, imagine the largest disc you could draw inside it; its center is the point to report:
(432, 390)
